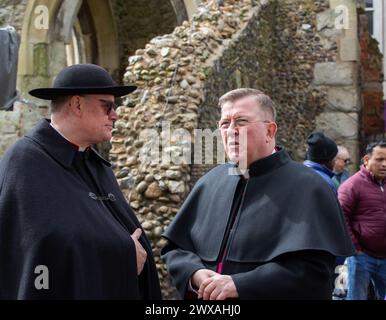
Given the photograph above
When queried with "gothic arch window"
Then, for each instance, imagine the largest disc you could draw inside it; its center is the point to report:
(82, 46)
(75, 49)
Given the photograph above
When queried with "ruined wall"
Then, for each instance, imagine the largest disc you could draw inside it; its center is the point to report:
(11, 123)
(280, 60)
(294, 57)
(139, 21)
(299, 44)
(11, 13)
(15, 124)
(294, 44)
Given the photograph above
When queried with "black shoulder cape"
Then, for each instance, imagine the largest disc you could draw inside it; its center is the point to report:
(286, 208)
(77, 227)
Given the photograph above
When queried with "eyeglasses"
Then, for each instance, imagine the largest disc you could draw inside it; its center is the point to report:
(237, 123)
(346, 161)
(108, 105)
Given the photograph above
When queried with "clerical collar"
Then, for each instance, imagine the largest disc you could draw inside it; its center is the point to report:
(278, 158)
(58, 146)
(80, 149)
(246, 174)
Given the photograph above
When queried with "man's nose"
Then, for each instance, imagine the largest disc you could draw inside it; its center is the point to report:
(232, 131)
(233, 126)
(113, 115)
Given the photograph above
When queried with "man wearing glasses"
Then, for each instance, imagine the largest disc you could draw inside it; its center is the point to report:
(272, 231)
(342, 160)
(66, 230)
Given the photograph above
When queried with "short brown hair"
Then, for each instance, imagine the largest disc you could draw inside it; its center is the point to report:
(264, 101)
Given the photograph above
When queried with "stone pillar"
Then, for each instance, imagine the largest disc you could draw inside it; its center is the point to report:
(191, 7)
(340, 78)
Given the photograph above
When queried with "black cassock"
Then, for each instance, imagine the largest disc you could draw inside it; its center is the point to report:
(276, 233)
(63, 210)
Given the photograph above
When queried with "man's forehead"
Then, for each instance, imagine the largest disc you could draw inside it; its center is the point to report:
(233, 113)
(245, 105)
(343, 152)
(379, 150)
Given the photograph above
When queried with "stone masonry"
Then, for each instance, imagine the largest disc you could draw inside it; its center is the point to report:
(11, 13)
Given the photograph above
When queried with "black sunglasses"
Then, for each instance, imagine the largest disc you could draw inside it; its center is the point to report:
(108, 105)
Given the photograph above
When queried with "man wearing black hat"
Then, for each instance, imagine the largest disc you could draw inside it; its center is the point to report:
(321, 154)
(66, 230)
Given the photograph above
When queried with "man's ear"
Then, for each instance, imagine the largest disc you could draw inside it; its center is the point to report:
(330, 164)
(366, 159)
(76, 105)
(271, 131)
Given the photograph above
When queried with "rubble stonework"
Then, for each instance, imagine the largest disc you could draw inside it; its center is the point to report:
(136, 23)
(11, 124)
(301, 43)
(12, 13)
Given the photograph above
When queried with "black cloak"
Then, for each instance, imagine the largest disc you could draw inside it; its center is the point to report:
(63, 209)
(288, 229)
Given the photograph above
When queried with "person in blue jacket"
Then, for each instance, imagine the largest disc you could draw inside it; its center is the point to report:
(321, 154)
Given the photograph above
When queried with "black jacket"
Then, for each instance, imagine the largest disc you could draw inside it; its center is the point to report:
(63, 209)
(288, 229)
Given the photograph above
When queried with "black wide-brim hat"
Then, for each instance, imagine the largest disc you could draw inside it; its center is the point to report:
(82, 79)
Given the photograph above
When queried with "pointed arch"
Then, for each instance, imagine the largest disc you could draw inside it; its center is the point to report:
(84, 29)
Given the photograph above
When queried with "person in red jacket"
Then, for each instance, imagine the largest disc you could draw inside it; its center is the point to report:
(363, 200)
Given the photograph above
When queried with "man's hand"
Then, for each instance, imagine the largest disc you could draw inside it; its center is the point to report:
(140, 251)
(218, 287)
(200, 275)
